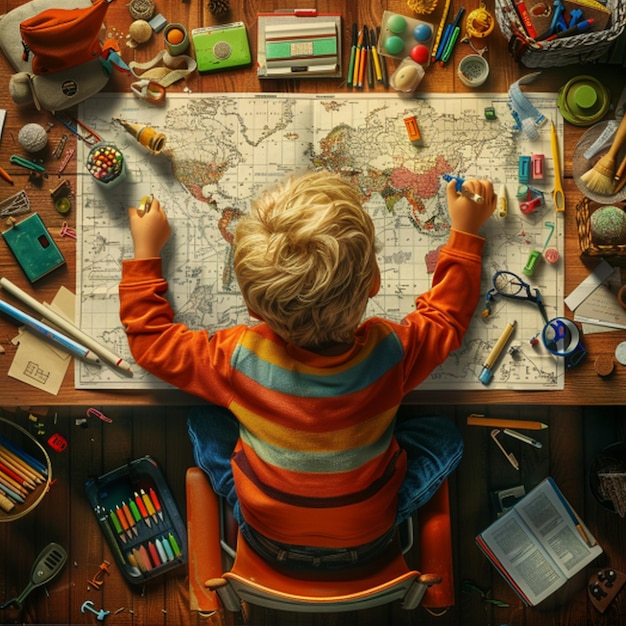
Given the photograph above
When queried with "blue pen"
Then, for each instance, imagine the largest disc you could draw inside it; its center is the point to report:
(73, 347)
(444, 42)
(460, 189)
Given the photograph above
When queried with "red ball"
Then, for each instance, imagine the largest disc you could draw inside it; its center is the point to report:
(420, 54)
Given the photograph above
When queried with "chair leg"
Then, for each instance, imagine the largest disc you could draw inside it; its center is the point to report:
(435, 536)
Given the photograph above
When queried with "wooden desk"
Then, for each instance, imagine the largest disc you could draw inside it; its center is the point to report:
(583, 386)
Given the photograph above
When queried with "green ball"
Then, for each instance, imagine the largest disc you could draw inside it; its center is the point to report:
(396, 23)
(608, 225)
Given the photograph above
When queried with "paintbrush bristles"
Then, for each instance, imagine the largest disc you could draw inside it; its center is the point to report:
(601, 177)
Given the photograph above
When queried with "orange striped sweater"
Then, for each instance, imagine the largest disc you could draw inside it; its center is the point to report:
(316, 463)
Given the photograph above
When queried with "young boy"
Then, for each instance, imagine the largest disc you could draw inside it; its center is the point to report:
(302, 437)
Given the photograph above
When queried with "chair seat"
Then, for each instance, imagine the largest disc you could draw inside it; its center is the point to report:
(252, 579)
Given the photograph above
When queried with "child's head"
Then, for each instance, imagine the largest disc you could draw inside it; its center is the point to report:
(305, 259)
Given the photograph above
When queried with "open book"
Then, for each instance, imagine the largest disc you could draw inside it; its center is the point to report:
(539, 544)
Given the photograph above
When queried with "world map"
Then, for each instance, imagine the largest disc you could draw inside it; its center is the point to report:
(222, 150)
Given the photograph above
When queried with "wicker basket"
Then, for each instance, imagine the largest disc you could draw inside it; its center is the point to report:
(24, 440)
(581, 48)
(615, 254)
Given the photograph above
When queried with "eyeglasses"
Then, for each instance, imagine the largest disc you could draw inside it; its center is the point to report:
(510, 285)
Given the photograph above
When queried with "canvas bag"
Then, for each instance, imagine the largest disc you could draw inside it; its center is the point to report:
(59, 39)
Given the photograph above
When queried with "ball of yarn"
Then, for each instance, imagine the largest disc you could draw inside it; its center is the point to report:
(140, 31)
(33, 137)
(608, 225)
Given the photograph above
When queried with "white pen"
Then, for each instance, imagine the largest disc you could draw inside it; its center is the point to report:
(73, 347)
(521, 437)
(71, 329)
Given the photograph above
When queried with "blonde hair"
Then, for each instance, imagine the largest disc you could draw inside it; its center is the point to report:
(305, 259)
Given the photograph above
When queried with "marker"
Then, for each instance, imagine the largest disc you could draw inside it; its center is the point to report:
(581, 27)
(352, 55)
(487, 372)
(447, 53)
(375, 57)
(529, 440)
(460, 182)
(67, 327)
(73, 347)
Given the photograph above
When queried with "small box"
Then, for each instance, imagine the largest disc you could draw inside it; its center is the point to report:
(33, 247)
(139, 518)
(295, 46)
(221, 47)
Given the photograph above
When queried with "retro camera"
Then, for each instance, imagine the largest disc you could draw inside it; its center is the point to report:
(221, 47)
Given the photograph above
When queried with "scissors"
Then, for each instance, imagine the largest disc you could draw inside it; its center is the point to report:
(510, 285)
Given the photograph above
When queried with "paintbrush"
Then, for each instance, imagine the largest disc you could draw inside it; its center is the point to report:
(599, 179)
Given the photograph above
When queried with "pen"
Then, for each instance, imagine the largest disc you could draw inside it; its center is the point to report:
(363, 59)
(352, 55)
(487, 372)
(357, 60)
(460, 182)
(67, 327)
(375, 57)
(571, 513)
(449, 33)
(529, 440)
(383, 63)
(4, 174)
(60, 339)
(476, 419)
(444, 41)
(447, 53)
(558, 195)
(581, 27)
(440, 29)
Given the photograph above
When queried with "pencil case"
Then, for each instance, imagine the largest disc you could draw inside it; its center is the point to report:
(138, 516)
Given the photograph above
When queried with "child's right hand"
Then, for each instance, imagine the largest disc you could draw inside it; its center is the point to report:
(465, 214)
(150, 230)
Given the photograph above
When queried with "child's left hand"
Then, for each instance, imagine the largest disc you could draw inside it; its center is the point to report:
(150, 230)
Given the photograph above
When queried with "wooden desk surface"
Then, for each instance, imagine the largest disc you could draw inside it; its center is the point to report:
(582, 385)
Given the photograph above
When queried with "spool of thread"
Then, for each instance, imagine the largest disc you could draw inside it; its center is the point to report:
(106, 164)
(176, 39)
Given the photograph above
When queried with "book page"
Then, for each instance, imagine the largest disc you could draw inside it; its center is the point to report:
(526, 562)
(553, 521)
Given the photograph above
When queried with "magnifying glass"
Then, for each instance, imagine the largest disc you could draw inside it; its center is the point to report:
(561, 337)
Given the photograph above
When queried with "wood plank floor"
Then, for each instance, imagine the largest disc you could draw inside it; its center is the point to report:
(574, 437)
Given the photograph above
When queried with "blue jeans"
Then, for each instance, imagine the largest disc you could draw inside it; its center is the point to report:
(433, 446)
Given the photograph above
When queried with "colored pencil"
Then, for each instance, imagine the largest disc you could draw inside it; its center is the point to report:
(492, 422)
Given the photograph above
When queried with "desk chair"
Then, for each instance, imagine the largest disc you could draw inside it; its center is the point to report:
(253, 580)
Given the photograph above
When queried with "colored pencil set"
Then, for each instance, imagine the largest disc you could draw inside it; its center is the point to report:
(366, 65)
(139, 519)
(21, 474)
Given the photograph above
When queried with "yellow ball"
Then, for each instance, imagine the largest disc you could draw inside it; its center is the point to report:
(175, 36)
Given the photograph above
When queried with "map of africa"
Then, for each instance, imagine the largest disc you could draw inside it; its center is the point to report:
(223, 149)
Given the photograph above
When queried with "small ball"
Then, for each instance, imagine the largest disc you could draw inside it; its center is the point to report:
(394, 44)
(175, 36)
(140, 31)
(608, 225)
(422, 32)
(420, 54)
(396, 24)
(33, 137)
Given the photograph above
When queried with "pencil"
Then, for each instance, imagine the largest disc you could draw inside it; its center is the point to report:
(493, 422)
(71, 329)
